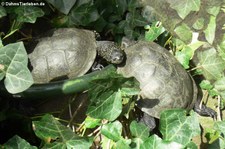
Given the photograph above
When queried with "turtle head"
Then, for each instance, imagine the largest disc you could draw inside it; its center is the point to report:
(117, 55)
(110, 51)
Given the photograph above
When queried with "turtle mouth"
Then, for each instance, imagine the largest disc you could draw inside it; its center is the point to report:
(117, 57)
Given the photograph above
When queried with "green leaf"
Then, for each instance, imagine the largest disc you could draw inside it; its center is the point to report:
(218, 144)
(18, 143)
(135, 19)
(193, 123)
(211, 65)
(184, 33)
(220, 126)
(120, 6)
(91, 122)
(130, 87)
(112, 131)
(122, 144)
(57, 135)
(83, 15)
(176, 126)
(205, 84)
(214, 10)
(107, 143)
(184, 7)
(210, 31)
(132, 5)
(28, 14)
(199, 24)
(63, 6)
(191, 145)
(13, 58)
(211, 135)
(221, 48)
(220, 87)
(155, 142)
(220, 84)
(2, 12)
(154, 31)
(108, 106)
(184, 56)
(139, 130)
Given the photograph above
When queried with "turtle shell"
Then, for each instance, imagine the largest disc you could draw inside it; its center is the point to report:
(68, 52)
(164, 83)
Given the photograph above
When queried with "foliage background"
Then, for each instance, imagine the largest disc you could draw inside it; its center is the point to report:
(194, 33)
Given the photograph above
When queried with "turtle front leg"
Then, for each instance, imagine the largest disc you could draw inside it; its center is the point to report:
(97, 66)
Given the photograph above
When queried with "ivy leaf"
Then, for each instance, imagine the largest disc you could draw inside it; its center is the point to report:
(199, 24)
(219, 143)
(133, 4)
(91, 122)
(211, 65)
(220, 84)
(123, 144)
(63, 6)
(57, 135)
(107, 105)
(2, 12)
(112, 131)
(176, 126)
(154, 31)
(14, 60)
(205, 84)
(28, 14)
(220, 126)
(184, 33)
(18, 143)
(191, 145)
(221, 48)
(184, 56)
(155, 142)
(139, 130)
(106, 96)
(83, 14)
(210, 31)
(185, 7)
(120, 6)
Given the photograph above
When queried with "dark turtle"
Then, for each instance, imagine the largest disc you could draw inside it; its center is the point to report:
(164, 83)
(69, 52)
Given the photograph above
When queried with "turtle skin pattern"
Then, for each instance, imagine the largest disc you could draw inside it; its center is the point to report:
(164, 83)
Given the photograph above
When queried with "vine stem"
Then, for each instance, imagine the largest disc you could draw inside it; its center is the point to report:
(218, 109)
(197, 67)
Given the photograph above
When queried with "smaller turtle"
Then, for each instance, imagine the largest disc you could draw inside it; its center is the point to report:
(70, 52)
(164, 83)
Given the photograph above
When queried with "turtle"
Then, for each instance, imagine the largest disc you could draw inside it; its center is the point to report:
(164, 83)
(69, 52)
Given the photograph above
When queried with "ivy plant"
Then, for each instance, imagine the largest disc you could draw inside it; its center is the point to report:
(196, 30)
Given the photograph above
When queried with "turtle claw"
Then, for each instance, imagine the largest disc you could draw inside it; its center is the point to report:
(96, 67)
(205, 111)
(148, 121)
